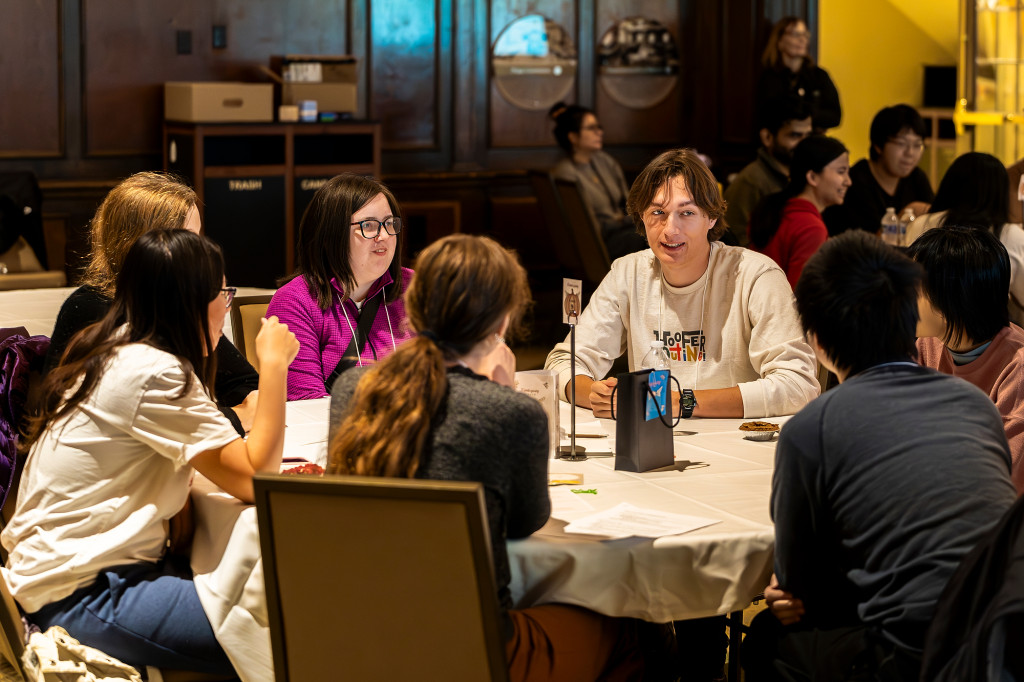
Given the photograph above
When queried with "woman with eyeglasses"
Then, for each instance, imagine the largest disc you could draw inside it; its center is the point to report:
(121, 427)
(788, 70)
(600, 177)
(143, 202)
(344, 300)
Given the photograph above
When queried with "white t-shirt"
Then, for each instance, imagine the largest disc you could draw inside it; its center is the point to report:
(735, 326)
(100, 486)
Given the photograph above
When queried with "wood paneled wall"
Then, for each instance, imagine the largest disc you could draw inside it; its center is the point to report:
(84, 106)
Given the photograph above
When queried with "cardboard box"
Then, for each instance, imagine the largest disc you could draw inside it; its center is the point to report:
(336, 91)
(218, 102)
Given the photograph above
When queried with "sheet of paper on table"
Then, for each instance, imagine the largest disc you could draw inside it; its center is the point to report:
(626, 520)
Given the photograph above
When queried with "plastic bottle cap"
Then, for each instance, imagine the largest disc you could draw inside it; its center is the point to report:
(657, 344)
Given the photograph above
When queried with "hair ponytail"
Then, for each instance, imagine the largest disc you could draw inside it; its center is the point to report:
(462, 289)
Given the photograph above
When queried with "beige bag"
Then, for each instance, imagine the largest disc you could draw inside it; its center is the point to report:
(56, 656)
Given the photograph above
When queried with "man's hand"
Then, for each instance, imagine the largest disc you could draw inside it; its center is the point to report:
(787, 608)
(601, 397)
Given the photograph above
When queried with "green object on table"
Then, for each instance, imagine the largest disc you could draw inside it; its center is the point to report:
(588, 491)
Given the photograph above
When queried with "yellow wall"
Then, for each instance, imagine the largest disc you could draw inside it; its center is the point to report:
(875, 51)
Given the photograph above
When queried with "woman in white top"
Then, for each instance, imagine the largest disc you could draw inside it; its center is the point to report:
(974, 192)
(123, 424)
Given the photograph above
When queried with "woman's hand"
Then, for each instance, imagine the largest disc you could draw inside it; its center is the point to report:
(275, 345)
(499, 365)
(787, 608)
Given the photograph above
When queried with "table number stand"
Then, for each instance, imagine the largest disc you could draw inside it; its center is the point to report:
(571, 289)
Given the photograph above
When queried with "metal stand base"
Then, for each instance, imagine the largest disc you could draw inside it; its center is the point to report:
(572, 453)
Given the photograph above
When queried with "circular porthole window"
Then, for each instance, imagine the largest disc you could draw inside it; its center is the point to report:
(534, 62)
(638, 62)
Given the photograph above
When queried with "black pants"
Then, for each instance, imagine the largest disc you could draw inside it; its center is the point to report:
(773, 653)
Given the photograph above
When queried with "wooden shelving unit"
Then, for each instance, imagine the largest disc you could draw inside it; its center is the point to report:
(255, 180)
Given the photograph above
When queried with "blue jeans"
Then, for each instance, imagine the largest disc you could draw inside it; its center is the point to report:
(143, 614)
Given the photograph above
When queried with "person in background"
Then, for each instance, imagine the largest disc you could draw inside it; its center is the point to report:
(973, 193)
(889, 177)
(881, 486)
(344, 300)
(599, 176)
(789, 70)
(724, 313)
(784, 126)
(123, 424)
(787, 226)
(143, 202)
(449, 392)
(965, 329)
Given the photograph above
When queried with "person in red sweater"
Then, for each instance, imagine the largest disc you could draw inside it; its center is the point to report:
(965, 328)
(787, 225)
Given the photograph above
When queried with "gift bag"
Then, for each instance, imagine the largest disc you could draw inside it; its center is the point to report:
(56, 656)
(640, 444)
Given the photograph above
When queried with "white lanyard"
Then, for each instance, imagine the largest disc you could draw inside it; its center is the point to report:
(703, 299)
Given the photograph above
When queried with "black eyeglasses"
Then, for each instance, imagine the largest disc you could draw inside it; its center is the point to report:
(370, 227)
(229, 295)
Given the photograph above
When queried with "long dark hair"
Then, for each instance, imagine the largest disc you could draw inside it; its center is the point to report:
(323, 251)
(462, 289)
(975, 192)
(812, 154)
(163, 293)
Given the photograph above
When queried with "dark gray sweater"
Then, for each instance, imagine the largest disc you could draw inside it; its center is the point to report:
(488, 433)
(881, 486)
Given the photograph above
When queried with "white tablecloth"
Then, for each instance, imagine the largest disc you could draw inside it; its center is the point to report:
(712, 570)
(36, 309)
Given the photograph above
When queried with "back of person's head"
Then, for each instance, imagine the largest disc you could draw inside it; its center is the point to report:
(164, 290)
(782, 110)
(890, 122)
(975, 192)
(324, 248)
(463, 288)
(858, 296)
(568, 118)
(770, 58)
(700, 183)
(811, 155)
(145, 201)
(967, 280)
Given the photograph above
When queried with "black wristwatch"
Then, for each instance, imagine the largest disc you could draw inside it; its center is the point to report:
(687, 401)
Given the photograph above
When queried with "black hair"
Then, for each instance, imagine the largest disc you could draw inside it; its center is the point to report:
(813, 153)
(568, 118)
(163, 293)
(967, 279)
(779, 111)
(325, 232)
(858, 296)
(890, 122)
(975, 192)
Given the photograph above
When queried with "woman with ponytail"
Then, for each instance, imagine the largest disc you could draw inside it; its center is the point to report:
(442, 407)
(787, 225)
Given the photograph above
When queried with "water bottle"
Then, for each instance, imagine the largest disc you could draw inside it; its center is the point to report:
(890, 227)
(656, 357)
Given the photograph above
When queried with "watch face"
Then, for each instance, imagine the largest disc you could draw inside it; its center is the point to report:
(689, 401)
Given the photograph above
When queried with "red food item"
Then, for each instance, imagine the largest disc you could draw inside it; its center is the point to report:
(308, 468)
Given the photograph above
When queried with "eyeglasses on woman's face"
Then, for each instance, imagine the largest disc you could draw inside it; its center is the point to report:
(370, 227)
(229, 295)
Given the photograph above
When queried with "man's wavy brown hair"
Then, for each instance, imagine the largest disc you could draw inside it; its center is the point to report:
(699, 181)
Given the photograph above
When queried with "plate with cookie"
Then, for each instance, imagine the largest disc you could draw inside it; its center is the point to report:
(758, 430)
